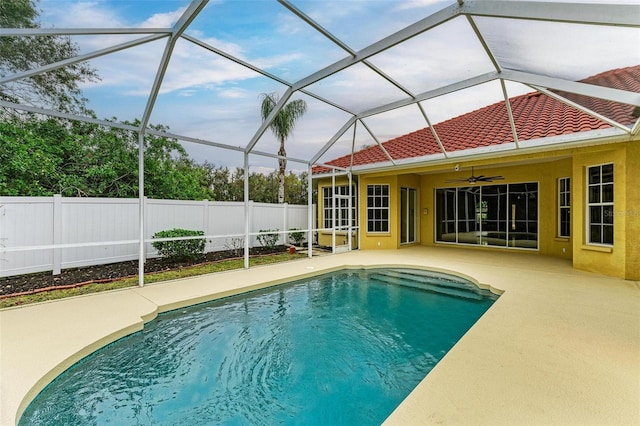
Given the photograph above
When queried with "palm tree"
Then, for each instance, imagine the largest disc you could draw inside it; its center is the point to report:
(282, 126)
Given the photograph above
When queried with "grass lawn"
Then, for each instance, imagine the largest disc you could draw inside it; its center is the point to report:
(224, 265)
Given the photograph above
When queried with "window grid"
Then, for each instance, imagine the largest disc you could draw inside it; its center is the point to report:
(564, 207)
(600, 204)
(342, 205)
(377, 208)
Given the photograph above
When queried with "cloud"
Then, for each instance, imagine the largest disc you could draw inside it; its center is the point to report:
(80, 14)
(163, 20)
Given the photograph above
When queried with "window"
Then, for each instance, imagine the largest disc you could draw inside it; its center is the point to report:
(377, 208)
(600, 204)
(564, 207)
(488, 215)
(342, 206)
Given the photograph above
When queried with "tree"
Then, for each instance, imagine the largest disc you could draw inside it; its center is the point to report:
(57, 89)
(282, 127)
(46, 157)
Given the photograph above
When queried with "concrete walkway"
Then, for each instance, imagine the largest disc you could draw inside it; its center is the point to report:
(558, 347)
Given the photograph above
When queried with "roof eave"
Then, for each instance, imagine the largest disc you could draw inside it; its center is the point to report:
(555, 143)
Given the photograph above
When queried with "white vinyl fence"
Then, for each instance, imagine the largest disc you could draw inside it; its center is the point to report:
(110, 225)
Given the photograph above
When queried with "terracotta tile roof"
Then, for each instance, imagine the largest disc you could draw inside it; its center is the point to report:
(535, 115)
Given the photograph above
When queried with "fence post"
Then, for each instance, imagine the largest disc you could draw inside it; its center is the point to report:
(147, 214)
(252, 210)
(57, 233)
(285, 236)
(205, 221)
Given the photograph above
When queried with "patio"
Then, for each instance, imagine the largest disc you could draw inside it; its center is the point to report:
(560, 346)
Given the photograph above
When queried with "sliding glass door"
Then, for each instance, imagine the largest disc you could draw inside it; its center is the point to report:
(488, 215)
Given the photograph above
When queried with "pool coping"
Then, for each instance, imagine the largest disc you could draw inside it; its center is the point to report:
(559, 346)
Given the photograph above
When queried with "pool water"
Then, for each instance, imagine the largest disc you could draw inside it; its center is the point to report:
(339, 349)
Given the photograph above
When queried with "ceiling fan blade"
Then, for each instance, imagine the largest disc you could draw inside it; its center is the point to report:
(473, 179)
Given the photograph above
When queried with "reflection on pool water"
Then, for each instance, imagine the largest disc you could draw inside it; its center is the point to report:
(341, 348)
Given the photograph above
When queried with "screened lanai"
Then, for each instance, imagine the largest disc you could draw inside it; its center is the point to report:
(369, 71)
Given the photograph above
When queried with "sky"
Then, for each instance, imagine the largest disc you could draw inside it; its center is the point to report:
(206, 96)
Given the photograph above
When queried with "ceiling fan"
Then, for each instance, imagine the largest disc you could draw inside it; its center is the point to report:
(473, 179)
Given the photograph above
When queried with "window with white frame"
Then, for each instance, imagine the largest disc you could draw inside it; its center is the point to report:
(342, 206)
(564, 207)
(377, 208)
(600, 204)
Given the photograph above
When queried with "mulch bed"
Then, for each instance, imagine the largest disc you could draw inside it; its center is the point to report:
(111, 271)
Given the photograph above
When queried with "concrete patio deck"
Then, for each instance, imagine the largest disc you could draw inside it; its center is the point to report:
(559, 346)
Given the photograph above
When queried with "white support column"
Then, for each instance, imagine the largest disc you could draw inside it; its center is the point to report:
(57, 233)
(349, 214)
(359, 209)
(247, 213)
(333, 211)
(310, 213)
(141, 208)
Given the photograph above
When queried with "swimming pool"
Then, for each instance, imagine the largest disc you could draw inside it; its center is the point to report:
(341, 348)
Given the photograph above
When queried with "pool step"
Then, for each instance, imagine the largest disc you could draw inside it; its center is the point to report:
(431, 282)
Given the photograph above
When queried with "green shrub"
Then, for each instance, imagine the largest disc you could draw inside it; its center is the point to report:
(296, 236)
(180, 249)
(268, 238)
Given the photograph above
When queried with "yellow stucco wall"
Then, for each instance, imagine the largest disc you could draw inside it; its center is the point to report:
(632, 213)
(594, 258)
(622, 260)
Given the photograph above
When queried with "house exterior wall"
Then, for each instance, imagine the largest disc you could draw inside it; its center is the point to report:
(632, 213)
(622, 260)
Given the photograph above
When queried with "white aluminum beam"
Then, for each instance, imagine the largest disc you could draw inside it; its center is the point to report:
(23, 32)
(512, 122)
(353, 143)
(582, 108)
(377, 142)
(286, 157)
(260, 71)
(419, 27)
(81, 58)
(333, 139)
(267, 122)
(193, 140)
(180, 26)
(463, 84)
(433, 131)
(636, 128)
(624, 15)
(484, 44)
(300, 14)
(53, 113)
(615, 95)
